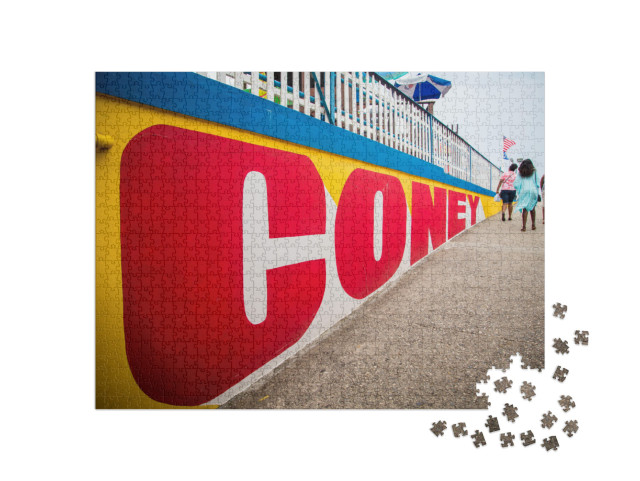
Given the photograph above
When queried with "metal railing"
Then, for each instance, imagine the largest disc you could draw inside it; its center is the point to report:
(366, 104)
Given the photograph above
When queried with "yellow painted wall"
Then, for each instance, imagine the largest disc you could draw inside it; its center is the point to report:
(121, 120)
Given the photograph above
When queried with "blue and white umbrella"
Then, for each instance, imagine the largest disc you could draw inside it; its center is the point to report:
(422, 86)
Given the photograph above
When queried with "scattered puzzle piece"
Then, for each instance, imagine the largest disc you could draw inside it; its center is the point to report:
(527, 438)
(459, 430)
(478, 439)
(548, 420)
(507, 439)
(502, 385)
(493, 424)
(551, 443)
(559, 310)
(561, 347)
(439, 428)
(528, 390)
(570, 427)
(582, 337)
(567, 403)
(560, 374)
(511, 412)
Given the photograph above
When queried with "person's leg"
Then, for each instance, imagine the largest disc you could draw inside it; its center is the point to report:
(510, 209)
(543, 211)
(533, 219)
(504, 207)
(524, 220)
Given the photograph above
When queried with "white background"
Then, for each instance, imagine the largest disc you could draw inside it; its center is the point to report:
(50, 53)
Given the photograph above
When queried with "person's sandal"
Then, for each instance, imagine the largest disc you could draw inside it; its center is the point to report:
(533, 227)
(524, 229)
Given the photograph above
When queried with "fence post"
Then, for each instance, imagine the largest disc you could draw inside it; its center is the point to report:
(296, 91)
(332, 100)
(270, 87)
(448, 155)
(307, 95)
(431, 132)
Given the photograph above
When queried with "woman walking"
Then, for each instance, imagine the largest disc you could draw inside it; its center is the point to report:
(508, 192)
(527, 187)
(542, 189)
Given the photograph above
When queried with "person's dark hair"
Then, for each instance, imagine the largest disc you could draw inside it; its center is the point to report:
(526, 168)
(513, 167)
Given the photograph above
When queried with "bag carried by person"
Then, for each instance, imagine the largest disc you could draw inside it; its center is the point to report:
(497, 198)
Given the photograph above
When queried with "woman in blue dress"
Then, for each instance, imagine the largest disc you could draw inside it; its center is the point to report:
(527, 187)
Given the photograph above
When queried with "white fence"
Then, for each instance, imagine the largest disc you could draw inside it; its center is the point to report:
(364, 103)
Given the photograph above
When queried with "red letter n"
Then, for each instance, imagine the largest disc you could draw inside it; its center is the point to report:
(429, 219)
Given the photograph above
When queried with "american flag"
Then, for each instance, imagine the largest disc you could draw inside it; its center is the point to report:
(507, 143)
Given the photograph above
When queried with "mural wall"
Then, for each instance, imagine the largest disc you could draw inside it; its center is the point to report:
(231, 232)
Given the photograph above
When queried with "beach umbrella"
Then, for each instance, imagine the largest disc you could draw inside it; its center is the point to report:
(391, 76)
(422, 86)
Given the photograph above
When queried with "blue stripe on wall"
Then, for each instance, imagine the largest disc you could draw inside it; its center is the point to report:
(197, 96)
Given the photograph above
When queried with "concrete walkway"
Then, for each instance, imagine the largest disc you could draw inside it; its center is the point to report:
(426, 340)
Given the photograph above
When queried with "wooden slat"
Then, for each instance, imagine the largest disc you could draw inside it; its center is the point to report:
(317, 105)
(371, 107)
(427, 140)
(386, 95)
(354, 112)
(407, 113)
(399, 126)
(393, 121)
(400, 107)
(412, 120)
(377, 111)
(378, 96)
(255, 87)
(420, 134)
(284, 95)
(364, 115)
(385, 114)
(405, 126)
(296, 91)
(349, 95)
(425, 130)
(406, 130)
(373, 113)
(270, 87)
(328, 88)
(423, 123)
(346, 100)
(307, 102)
(339, 99)
(363, 105)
